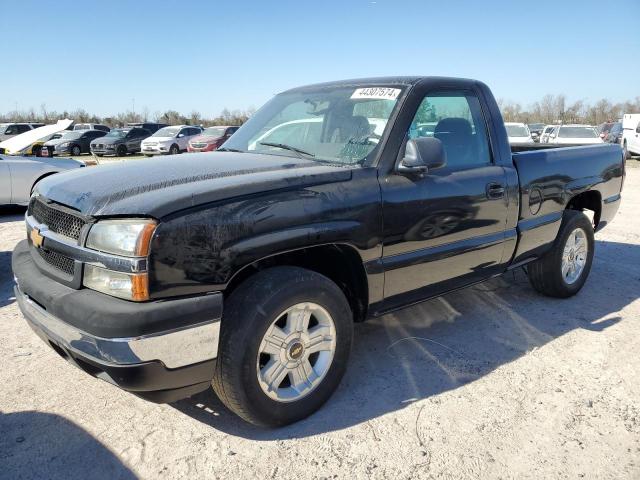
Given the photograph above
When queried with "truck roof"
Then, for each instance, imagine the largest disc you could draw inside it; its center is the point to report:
(377, 81)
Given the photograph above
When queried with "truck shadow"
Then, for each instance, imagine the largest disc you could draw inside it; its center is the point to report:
(43, 445)
(449, 342)
(8, 214)
(6, 279)
(11, 213)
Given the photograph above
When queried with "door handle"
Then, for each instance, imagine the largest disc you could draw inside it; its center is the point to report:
(495, 191)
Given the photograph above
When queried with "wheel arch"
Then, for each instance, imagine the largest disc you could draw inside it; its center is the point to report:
(41, 177)
(589, 200)
(341, 263)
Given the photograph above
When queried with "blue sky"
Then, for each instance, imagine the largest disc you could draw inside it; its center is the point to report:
(188, 55)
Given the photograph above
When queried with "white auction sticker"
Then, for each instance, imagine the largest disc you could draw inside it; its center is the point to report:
(379, 93)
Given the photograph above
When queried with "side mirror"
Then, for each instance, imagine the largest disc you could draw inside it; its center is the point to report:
(534, 135)
(180, 135)
(422, 154)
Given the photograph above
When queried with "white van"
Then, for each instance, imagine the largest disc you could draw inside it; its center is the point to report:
(631, 134)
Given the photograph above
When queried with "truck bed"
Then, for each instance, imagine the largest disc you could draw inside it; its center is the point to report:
(551, 177)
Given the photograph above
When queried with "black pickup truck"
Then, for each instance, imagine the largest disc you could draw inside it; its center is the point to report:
(245, 268)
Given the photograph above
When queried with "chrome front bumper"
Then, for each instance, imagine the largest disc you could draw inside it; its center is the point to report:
(174, 348)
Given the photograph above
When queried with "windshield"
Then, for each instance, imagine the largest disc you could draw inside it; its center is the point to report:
(577, 132)
(214, 132)
(330, 124)
(72, 135)
(117, 133)
(517, 131)
(167, 132)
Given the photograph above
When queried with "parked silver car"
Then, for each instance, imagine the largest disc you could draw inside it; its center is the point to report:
(18, 175)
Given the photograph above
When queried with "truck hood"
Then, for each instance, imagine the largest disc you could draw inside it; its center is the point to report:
(159, 187)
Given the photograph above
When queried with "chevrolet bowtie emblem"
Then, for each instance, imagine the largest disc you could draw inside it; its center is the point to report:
(36, 238)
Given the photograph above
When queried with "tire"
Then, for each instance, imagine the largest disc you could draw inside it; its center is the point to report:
(546, 274)
(99, 155)
(37, 151)
(174, 150)
(251, 311)
(121, 151)
(625, 152)
(76, 151)
(147, 155)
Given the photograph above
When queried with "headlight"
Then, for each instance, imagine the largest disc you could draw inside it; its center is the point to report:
(130, 286)
(65, 144)
(129, 237)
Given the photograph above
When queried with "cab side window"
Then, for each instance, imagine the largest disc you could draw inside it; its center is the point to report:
(454, 118)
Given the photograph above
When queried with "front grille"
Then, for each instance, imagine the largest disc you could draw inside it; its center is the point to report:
(57, 260)
(198, 145)
(57, 220)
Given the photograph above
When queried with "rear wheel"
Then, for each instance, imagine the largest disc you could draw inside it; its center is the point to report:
(564, 269)
(37, 151)
(295, 327)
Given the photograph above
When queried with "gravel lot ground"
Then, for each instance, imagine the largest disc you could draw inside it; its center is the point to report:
(493, 381)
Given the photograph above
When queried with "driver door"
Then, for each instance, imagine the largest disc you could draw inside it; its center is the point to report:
(446, 228)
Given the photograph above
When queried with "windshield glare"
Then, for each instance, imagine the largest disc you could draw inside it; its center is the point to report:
(117, 133)
(167, 132)
(517, 131)
(72, 135)
(577, 132)
(338, 125)
(213, 132)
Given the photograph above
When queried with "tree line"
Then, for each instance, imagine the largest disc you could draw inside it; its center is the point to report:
(557, 109)
(550, 109)
(172, 117)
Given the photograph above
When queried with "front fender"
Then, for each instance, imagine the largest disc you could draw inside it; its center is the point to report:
(201, 250)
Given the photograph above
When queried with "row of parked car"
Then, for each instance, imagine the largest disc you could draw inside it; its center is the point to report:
(562, 134)
(147, 138)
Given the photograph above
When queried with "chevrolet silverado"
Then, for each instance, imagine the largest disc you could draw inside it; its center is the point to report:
(245, 269)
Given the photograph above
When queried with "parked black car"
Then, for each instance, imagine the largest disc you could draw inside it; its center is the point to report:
(150, 127)
(74, 142)
(119, 141)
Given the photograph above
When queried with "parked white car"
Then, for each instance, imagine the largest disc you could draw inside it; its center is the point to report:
(518, 132)
(631, 134)
(546, 131)
(169, 140)
(575, 135)
(306, 129)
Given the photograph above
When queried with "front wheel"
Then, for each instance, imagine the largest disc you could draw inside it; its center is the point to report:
(294, 327)
(564, 269)
(76, 151)
(174, 150)
(625, 152)
(121, 151)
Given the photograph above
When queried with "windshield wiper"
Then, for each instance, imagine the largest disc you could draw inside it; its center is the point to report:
(284, 146)
(226, 149)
